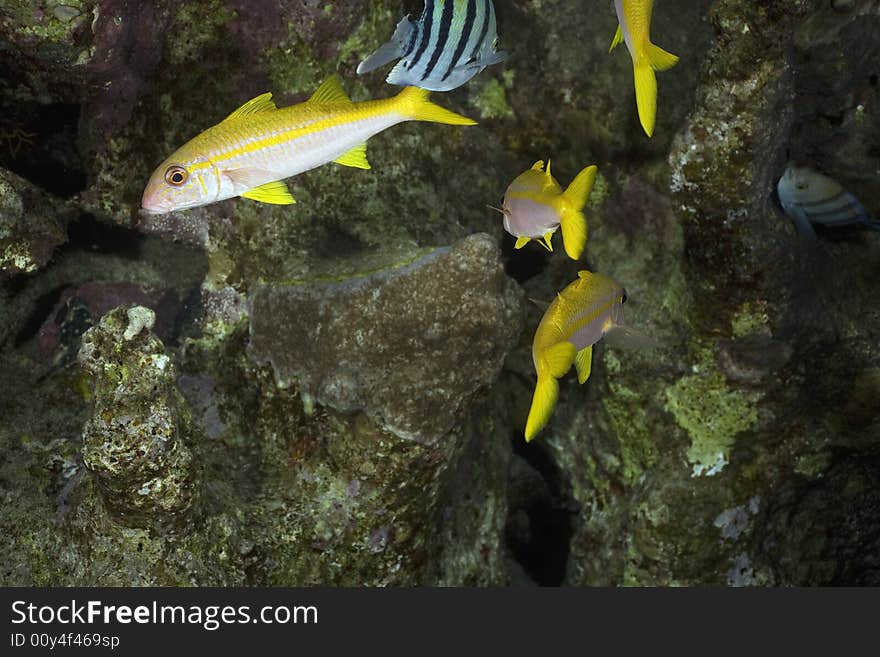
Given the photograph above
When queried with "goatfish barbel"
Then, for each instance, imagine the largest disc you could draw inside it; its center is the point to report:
(808, 198)
(452, 41)
(577, 319)
(634, 28)
(253, 149)
(534, 206)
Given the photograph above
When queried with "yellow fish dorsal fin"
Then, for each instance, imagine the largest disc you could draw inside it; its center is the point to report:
(273, 193)
(583, 362)
(547, 171)
(538, 166)
(617, 40)
(521, 242)
(330, 92)
(262, 103)
(356, 157)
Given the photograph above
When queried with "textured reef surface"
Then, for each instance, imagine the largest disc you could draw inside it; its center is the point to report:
(335, 392)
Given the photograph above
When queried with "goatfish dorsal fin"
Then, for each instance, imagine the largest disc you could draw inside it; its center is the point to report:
(273, 193)
(262, 103)
(356, 157)
(330, 92)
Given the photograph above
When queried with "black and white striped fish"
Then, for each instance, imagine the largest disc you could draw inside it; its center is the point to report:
(808, 198)
(452, 41)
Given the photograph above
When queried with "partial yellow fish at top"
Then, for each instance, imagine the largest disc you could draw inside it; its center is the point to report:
(256, 147)
(634, 18)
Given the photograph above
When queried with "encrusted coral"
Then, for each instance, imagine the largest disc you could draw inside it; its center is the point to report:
(137, 441)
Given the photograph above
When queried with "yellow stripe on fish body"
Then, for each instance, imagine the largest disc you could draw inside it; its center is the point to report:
(578, 318)
(634, 29)
(258, 145)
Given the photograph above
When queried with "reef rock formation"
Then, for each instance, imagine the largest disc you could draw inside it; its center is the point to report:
(341, 386)
(136, 443)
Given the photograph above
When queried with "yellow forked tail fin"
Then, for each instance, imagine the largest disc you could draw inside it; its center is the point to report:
(416, 105)
(660, 59)
(554, 363)
(646, 95)
(572, 220)
(654, 59)
(543, 403)
(579, 190)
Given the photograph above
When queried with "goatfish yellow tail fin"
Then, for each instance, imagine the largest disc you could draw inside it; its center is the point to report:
(543, 403)
(555, 362)
(414, 104)
(654, 59)
(572, 221)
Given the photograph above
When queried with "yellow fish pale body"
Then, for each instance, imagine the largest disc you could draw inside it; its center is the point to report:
(576, 320)
(257, 146)
(535, 206)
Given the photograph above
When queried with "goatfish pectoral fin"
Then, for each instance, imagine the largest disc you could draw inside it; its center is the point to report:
(273, 193)
(390, 51)
(521, 242)
(654, 59)
(626, 337)
(583, 362)
(557, 360)
(356, 157)
(414, 104)
(572, 221)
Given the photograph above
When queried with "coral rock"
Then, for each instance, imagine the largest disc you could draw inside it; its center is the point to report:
(135, 443)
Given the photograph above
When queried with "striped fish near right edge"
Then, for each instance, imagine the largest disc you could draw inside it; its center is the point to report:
(809, 197)
(452, 41)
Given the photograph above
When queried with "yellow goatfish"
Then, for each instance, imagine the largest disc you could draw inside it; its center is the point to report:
(634, 18)
(535, 206)
(576, 320)
(253, 149)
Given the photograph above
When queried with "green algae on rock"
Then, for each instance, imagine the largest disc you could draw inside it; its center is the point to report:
(32, 224)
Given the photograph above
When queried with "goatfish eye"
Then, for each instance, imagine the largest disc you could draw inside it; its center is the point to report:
(176, 175)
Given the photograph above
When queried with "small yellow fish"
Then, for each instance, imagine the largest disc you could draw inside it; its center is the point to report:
(253, 149)
(535, 206)
(634, 18)
(577, 319)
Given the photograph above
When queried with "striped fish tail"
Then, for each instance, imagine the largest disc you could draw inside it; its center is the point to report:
(414, 104)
